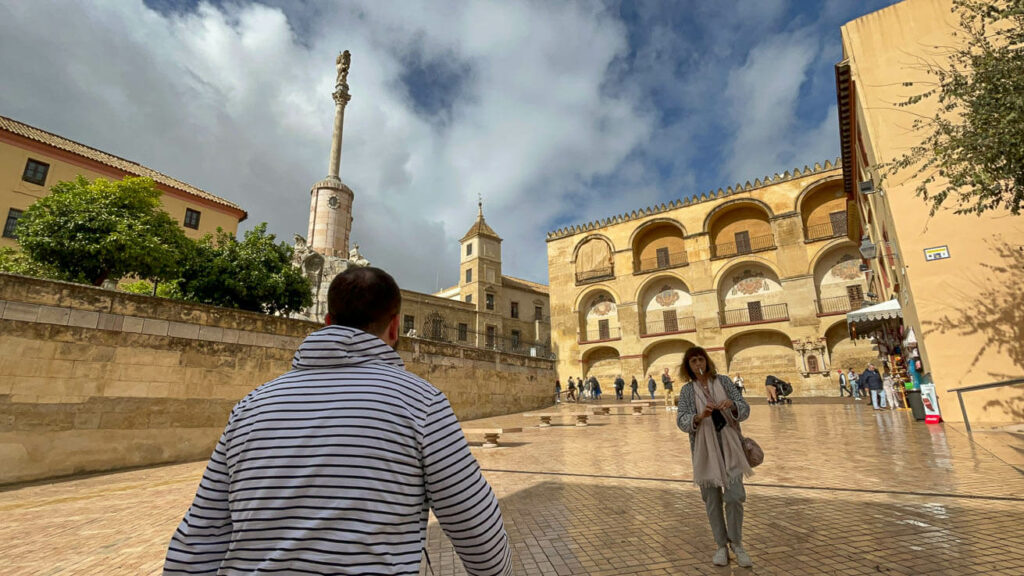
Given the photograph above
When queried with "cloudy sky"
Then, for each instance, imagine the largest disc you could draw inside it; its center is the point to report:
(555, 112)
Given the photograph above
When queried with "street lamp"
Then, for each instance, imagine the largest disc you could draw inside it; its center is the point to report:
(868, 250)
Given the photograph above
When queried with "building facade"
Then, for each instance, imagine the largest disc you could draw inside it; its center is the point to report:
(957, 278)
(485, 309)
(760, 274)
(33, 160)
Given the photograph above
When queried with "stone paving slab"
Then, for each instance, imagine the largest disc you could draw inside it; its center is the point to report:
(844, 490)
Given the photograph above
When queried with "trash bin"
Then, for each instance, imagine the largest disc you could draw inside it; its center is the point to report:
(916, 406)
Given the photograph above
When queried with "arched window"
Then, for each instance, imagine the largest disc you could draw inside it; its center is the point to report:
(812, 363)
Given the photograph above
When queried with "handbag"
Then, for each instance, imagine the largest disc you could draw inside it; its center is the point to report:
(751, 449)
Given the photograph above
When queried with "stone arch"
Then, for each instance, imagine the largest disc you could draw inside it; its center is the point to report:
(814, 187)
(739, 263)
(603, 362)
(845, 352)
(598, 316)
(665, 305)
(754, 354)
(751, 292)
(839, 284)
(664, 354)
(657, 245)
(731, 204)
(594, 258)
(589, 293)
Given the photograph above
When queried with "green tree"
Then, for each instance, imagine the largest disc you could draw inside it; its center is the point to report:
(973, 150)
(17, 262)
(145, 287)
(255, 274)
(99, 230)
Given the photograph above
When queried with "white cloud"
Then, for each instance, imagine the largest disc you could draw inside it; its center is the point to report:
(236, 100)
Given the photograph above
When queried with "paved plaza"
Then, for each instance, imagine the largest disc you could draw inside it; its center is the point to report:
(843, 490)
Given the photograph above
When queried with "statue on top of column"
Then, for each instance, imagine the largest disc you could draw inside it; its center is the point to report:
(343, 62)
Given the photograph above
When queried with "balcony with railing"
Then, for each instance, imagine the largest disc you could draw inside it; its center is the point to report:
(746, 246)
(836, 305)
(834, 229)
(594, 274)
(754, 314)
(662, 261)
(670, 325)
(600, 334)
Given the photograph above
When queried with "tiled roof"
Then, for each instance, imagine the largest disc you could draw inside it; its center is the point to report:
(480, 228)
(59, 142)
(510, 282)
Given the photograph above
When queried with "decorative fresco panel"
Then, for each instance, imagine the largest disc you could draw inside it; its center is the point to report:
(602, 305)
(749, 282)
(847, 268)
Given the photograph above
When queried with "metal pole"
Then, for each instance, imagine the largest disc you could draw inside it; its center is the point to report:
(963, 410)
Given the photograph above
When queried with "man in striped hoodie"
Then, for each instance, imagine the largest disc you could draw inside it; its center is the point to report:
(332, 468)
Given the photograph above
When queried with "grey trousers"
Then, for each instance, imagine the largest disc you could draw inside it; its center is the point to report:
(728, 527)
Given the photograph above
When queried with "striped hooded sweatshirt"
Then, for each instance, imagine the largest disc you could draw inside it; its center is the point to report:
(332, 469)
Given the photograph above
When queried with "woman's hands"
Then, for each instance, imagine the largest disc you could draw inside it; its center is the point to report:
(708, 409)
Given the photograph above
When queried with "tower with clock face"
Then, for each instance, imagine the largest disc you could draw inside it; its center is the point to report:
(330, 202)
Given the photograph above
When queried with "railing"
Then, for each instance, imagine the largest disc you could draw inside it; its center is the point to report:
(826, 230)
(654, 263)
(597, 335)
(594, 274)
(680, 324)
(769, 313)
(482, 340)
(756, 244)
(960, 396)
(836, 305)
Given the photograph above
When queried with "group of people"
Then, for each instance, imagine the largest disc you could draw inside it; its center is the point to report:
(590, 388)
(880, 387)
(283, 491)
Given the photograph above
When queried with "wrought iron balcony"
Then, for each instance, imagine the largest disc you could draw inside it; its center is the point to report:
(594, 274)
(600, 334)
(669, 326)
(835, 305)
(756, 244)
(754, 314)
(826, 230)
(670, 260)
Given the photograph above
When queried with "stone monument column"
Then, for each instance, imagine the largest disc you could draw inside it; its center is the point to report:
(330, 204)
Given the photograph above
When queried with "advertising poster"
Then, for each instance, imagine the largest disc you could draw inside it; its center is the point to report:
(931, 403)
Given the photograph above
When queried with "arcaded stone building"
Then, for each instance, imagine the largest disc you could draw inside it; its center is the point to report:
(760, 274)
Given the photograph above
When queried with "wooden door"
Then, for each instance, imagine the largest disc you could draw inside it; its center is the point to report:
(754, 311)
(742, 242)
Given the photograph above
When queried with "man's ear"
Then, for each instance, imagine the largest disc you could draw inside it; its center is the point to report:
(392, 334)
(327, 319)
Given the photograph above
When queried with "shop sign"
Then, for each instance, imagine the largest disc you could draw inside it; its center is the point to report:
(936, 253)
(931, 403)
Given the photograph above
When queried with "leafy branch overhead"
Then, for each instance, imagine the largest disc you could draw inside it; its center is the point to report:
(973, 151)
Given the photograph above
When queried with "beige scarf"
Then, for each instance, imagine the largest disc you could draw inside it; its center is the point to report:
(714, 464)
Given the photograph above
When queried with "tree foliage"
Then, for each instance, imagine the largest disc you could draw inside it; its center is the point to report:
(15, 261)
(255, 274)
(973, 152)
(99, 230)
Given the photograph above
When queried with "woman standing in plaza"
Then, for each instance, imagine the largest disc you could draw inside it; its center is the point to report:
(707, 405)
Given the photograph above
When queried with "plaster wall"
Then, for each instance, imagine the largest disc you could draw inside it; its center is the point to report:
(965, 310)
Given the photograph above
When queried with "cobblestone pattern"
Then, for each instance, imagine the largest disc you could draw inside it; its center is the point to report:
(844, 490)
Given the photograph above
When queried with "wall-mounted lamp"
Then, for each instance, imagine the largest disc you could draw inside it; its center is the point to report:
(868, 250)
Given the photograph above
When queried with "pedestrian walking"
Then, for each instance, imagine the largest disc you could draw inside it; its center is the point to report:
(872, 381)
(707, 405)
(842, 384)
(854, 381)
(558, 391)
(620, 385)
(571, 395)
(889, 387)
(651, 386)
(633, 387)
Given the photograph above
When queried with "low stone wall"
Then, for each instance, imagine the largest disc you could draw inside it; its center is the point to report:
(94, 380)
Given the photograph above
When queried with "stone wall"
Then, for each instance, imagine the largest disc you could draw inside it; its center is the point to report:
(94, 380)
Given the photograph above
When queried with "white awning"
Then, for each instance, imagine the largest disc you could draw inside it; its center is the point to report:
(867, 320)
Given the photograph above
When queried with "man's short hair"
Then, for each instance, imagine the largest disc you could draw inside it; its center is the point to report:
(365, 298)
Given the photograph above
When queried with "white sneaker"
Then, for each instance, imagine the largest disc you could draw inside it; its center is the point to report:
(742, 558)
(721, 557)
